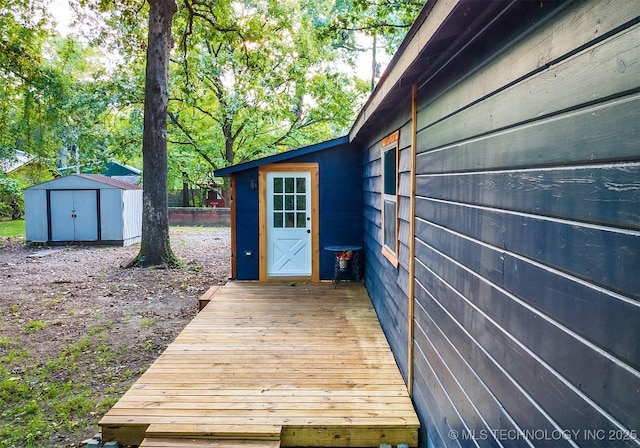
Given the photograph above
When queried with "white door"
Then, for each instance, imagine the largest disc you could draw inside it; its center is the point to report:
(74, 215)
(289, 224)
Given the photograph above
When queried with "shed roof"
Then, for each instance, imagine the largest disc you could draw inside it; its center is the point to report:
(280, 157)
(86, 180)
(111, 181)
(111, 168)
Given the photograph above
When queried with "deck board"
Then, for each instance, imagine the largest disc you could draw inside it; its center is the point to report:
(167, 442)
(309, 360)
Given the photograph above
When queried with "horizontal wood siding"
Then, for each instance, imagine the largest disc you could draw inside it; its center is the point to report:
(386, 284)
(527, 302)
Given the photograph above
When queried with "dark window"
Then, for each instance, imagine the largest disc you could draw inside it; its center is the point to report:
(389, 158)
(390, 171)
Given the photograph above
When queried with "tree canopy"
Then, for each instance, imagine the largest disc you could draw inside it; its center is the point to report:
(247, 79)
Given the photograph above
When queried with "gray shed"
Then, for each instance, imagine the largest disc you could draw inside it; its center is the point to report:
(87, 208)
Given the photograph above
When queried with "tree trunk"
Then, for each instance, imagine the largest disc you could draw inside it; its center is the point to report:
(185, 189)
(155, 249)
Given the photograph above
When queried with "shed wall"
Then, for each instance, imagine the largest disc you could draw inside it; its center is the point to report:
(111, 214)
(35, 215)
(340, 174)
(340, 203)
(527, 244)
(528, 237)
(247, 226)
(131, 216)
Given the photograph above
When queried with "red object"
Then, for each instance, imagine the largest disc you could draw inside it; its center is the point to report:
(214, 199)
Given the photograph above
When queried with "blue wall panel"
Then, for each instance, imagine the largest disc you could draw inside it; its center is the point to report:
(527, 258)
(527, 236)
(340, 202)
(247, 226)
(557, 295)
(387, 285)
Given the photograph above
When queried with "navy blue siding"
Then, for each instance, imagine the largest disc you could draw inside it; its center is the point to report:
(386, 284)
(527, 234)
(340, 202)
(340, 174)
(527, 301)
(247, 226)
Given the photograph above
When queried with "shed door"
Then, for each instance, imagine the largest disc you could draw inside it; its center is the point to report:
(74, 215)
(289, 248)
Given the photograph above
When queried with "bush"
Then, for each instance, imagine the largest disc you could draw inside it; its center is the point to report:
(11, 202)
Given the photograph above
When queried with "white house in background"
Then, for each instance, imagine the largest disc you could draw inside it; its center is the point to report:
(84, 208)
(12, 163)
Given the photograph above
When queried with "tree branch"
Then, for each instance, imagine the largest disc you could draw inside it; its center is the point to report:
(192, 141)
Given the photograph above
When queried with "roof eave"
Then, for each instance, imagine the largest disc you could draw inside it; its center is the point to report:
(421, 55)
(416, 39)
(282, 156)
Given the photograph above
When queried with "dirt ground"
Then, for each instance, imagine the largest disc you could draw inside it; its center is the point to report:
(49, 302)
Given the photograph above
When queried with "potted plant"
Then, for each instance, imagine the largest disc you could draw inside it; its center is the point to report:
(344, 258)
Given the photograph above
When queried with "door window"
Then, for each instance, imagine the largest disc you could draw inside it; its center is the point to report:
(289, 202)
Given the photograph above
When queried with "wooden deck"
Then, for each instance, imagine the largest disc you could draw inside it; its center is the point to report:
(268, 365)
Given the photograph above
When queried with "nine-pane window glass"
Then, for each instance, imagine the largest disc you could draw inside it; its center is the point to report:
(290, 202)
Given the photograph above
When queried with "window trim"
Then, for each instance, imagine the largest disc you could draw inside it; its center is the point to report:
(390, 143)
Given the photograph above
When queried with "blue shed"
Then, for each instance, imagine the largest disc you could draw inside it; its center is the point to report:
(287, 207)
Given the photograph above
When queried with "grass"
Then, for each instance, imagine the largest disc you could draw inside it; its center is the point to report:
(44, 397)
(146, 322)
(16, 228)
(55, 399)
(34, 326)
(12, 228)
(40, 398)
